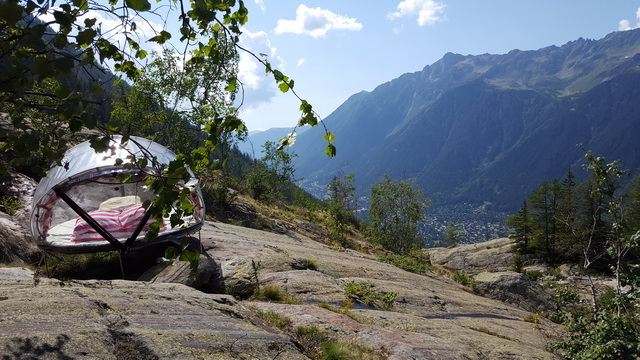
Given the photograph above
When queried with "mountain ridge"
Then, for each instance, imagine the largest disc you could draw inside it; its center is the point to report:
(477, 128)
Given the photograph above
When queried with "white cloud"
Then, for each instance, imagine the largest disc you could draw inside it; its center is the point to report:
(301, 62)
(316, 22)
(112, 29)
(260, 3)
(259, 87)
(428, 12)
(626, 24)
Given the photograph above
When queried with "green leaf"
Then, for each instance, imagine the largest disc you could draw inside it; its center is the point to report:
(232, 85)
(90, 121)
(89, 22)
(283, 142)
(86, 36)
(75, 125)
(100, 144)
(40, 66)
(329, 137)
(330, 150)
(10, 11)
(305, 107)
(284, 87)
(171, 252)
(138, 5)
(81, 4)
(161, 38)
(141, 54)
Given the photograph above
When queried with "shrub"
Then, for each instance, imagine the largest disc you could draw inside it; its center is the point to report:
(555, 273)
(417, 262)
(534, 318)
(273, 293)
(310, 336)
(463, 279)
(306, 264)
(269, 293)
(564, 295)
(607, 299)
(275, 319)
(10, 204)
(365, 292)
(518, 262)
(217, 189)
(86, 266)
(335, 350)
(338, 350)
(533, 275)
(612, 337)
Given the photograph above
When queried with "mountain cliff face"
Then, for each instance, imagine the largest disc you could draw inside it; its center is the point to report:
(488, 128)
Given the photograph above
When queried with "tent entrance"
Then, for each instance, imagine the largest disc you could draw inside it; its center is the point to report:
(121, 247)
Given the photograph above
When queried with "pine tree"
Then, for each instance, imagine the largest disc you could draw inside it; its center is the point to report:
(520, 228)
(451, 235)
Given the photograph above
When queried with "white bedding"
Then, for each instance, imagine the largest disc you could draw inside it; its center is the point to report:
(60, 235)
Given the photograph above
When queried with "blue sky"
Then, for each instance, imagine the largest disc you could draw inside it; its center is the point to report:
(336, 48)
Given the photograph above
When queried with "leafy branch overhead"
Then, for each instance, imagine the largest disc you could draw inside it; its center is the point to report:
(57, 81)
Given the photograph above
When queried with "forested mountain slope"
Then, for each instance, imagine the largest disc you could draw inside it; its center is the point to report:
(488, 128)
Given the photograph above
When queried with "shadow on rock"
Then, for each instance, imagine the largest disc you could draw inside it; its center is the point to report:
(33, 348)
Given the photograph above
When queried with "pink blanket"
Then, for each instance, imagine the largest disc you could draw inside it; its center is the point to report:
(120, 223)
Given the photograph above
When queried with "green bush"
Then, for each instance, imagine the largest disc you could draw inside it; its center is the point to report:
(310, 336)
(518, 262)
(417, 261)
(612, 337)
(309, 264)
(335, 350)
(86, 266)
(273, 293)
(275, 319)
(608, 299)
(365, 292)
(10, 204)
(533, 275)
(463, 279)
(339, 350)
(269, 293)
(555, 273)
(564, 294)
(344, 310)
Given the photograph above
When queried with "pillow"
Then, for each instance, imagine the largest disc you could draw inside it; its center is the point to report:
(131, 217)
(119, 223)
(119, 202)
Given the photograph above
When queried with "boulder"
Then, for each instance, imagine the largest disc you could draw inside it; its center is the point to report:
(494, 255)
(16, 273)
(515, 289)
(240, 277)
(208, 278)
(16, 244)
(307, 285)
(119, 319)
(431, 317)
(20, 188)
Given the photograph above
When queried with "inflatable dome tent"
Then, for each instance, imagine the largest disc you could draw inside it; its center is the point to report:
(81, 207)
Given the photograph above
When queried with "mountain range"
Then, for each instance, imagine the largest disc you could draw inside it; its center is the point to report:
(487, 129)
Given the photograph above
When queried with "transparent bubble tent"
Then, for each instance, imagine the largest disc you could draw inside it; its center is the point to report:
(82, 207)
